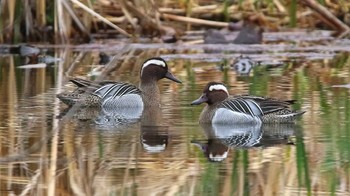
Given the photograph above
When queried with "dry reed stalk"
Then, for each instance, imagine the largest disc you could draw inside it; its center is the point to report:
(148, 20)
(121, 19)
(41, 12)
(11, 19)
(28, 19)
(327, 17)
(61, 23)
(84, 7)
(194, 20)
(76, 19)
(87, 18)
(127, 15)
(195, 10)
(279, 6)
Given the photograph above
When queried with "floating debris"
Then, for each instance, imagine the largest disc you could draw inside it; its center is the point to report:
(341, 86)
(243, 65)
(33, 66)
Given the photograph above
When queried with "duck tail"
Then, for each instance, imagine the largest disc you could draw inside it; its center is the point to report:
(68, 98)
(282, 116)
(291, 117)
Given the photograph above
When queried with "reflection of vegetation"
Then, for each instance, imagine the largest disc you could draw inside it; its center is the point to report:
(335, 164)
(235, 171)
(210, 180)
(241, 157)
(302, 164)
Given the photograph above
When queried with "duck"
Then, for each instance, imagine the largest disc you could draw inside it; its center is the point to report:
(115, 94)
(223, 108)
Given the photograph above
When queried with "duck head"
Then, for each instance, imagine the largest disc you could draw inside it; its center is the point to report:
(155, 69)
(213, 92)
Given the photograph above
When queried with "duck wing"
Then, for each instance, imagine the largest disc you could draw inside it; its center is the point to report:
(117, 89)
(269, 105)
(241, 105)
(90, 85)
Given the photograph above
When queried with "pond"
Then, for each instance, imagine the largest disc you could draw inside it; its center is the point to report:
(49, 149)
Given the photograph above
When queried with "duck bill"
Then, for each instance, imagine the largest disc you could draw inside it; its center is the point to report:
(170, 76)
(200, 100)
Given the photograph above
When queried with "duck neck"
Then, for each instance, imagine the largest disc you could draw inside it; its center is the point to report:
(150, 93)
(207, 113)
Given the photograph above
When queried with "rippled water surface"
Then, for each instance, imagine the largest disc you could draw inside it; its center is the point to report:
(47, 148)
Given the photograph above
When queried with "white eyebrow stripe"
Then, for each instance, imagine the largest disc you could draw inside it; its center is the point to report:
(154, 62)
(218, 87)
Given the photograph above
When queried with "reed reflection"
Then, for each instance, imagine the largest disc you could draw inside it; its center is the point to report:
(222, 137)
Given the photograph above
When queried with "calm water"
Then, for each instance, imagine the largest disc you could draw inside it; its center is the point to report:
(46, 148)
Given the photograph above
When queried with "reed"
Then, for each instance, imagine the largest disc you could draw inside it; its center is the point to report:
(7, 21)
(293, 13)
(74, 21)
(226, 10)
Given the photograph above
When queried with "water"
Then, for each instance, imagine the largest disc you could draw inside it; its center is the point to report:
(45, 149)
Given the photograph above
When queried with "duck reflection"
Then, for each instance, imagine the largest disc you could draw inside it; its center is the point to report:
(103, 119)
(154, 135)
(223, 137)
(80, 113)
(120, 117)
(154, 138)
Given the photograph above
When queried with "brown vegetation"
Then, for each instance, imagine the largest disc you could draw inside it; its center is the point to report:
(63, 21)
